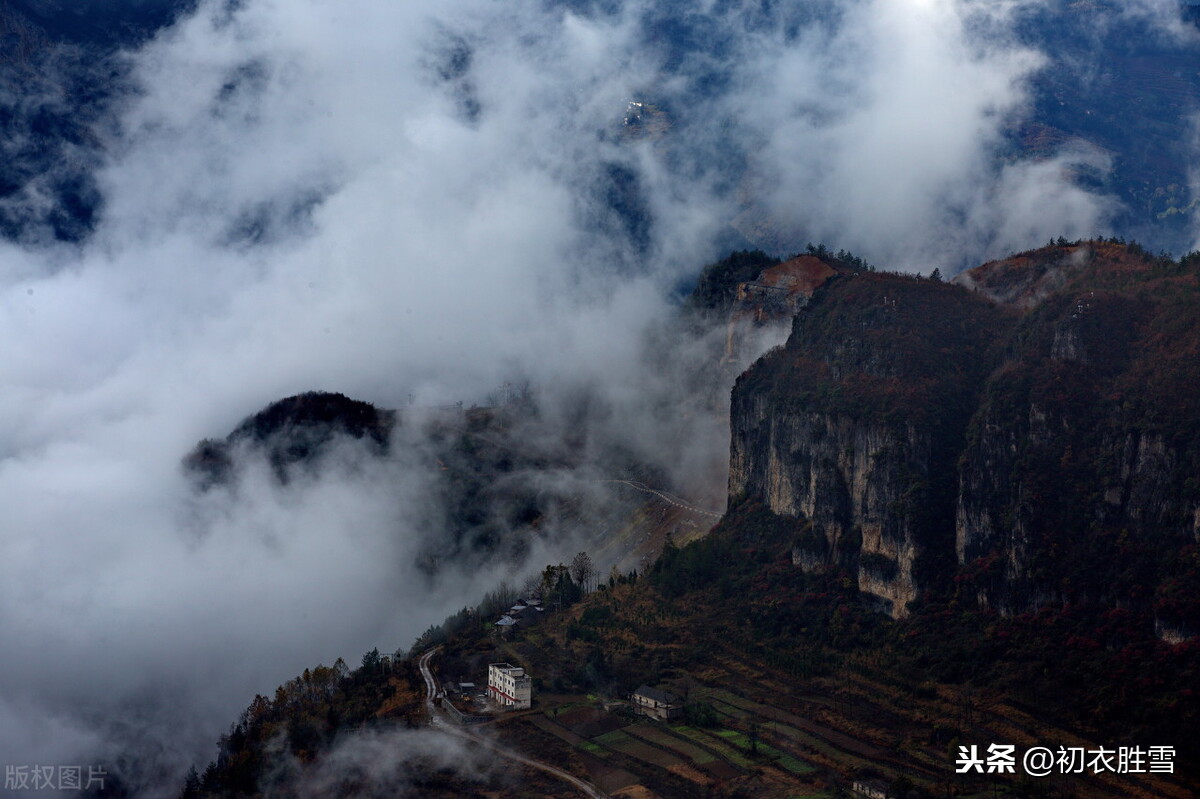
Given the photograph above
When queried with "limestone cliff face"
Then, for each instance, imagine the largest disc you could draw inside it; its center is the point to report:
(1074, 484)
(842, 427)
(772, 298)
(849, 478)
(1009, 512)
(1041, 451)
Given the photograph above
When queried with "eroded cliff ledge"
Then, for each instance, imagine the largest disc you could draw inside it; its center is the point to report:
(1027, 437)
(857, 422)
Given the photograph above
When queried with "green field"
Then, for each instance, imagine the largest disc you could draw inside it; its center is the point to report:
(716, 744)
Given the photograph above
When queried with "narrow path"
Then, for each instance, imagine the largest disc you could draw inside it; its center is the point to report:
(665, 497)
(436, 719)
(670, 499)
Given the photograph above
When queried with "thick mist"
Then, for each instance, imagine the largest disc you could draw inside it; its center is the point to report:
(425, 199)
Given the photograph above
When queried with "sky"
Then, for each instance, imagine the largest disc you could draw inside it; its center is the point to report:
(425, 198)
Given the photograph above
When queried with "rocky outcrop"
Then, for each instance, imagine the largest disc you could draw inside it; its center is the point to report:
(1074, 484)
(775, 296)
(843, 427)
(292, 433)
(847, 478)
(1042, 451)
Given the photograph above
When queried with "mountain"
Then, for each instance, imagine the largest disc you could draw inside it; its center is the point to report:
(292, 432)
(1002, 465)
(856, 423)
(1118, 83)
(1026, 437)
(63, 74)
(103, 23)
(1145, 74)
(1077, 484)
(496, 481)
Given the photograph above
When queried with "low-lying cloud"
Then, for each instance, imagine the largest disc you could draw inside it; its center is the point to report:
(392, 763)
(423, 199)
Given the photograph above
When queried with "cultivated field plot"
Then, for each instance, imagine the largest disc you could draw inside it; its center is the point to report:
(589, 722)
(812, 743)
(543, 723)
(728, 710)
(700, 756)
(662, 738)
(825, 738)
(624, 743)
(621, 741)
(784, 760)
(716, 744)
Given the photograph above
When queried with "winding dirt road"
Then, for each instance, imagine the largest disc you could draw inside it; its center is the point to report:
(438, 720)
(670, 499)
(665, 497)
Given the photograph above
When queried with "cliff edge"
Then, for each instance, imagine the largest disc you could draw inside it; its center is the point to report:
(1026, 437)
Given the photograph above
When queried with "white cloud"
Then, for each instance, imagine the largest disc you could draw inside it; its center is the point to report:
(883, 135)
(316, 195)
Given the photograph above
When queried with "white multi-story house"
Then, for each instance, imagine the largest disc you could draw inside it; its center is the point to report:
(509, 686)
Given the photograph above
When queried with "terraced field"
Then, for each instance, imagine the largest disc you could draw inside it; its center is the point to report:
(794, 748)
(702, 756)
(623, 742)
(715, 743)
(699, 756)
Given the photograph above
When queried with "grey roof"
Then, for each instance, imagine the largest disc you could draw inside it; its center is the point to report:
(656, 695)
(506, 621)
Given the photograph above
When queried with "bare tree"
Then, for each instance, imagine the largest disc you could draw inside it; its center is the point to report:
(582, 571)
(532, 587)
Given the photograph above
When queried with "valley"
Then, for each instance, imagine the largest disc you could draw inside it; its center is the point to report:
(778, 640)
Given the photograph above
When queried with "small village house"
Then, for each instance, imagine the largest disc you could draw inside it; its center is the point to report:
(871, 789)
(509, 686)
(655, 703)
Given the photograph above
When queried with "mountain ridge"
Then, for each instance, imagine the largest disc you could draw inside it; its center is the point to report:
(1056, 362)
(858, 456)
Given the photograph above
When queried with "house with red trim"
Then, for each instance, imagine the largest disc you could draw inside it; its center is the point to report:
(509, 686)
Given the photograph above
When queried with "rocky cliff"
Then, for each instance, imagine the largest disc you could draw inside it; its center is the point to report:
(1027, 438)
(1078, 479)
(774, 296)
(855, 425)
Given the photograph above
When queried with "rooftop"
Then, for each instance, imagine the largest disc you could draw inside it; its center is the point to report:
(507, 668)
(656, 695)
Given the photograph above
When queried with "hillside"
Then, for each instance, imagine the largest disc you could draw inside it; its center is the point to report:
(790, 688)
(888, 457)
(292, 433)
(1038, 430)
(787, 687)
(497, 482)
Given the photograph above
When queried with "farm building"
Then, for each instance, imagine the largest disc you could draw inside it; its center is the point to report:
(655, 703)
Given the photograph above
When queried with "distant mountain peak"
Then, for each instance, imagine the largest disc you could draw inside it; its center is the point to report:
(292, 431)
